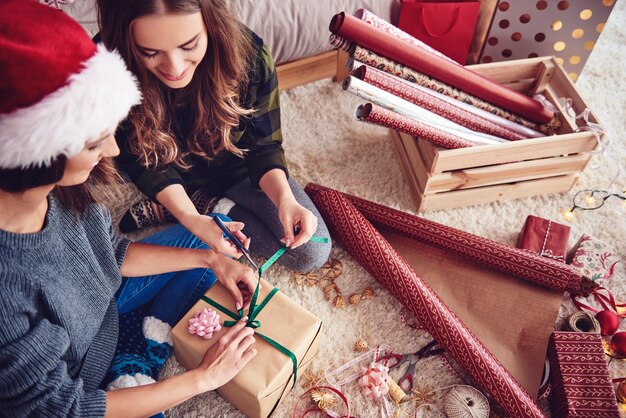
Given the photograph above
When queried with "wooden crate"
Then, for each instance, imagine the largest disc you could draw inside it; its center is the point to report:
(442, 178)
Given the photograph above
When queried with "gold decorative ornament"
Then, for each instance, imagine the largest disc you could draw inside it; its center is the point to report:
(339, 302)
(310, 279)
(323, 399)
(422, 395)
(328, 290)
(354, 298)
(325, 278)
(361, 346)
(313, 378)
(332, 269)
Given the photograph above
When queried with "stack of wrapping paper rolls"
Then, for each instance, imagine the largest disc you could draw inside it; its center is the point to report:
(412, 88)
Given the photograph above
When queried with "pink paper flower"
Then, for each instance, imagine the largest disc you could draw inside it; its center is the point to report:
(374, 381)
(204, 323)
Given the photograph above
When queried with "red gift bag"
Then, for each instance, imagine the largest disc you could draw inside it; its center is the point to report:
(446, 26)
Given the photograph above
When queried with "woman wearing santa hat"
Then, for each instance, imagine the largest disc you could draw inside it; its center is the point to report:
(208, 129)
(61, 264)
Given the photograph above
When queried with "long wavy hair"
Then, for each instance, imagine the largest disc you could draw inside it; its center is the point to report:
(214, 91)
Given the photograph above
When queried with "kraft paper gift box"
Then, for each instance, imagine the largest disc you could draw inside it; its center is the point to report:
(265, 381)
(593, 258)
(544, 237)
(581, 383)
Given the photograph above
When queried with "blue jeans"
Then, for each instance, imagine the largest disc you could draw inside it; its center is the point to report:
(169, 295)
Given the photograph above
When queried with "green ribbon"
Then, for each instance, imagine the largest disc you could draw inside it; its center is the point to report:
(254, 309)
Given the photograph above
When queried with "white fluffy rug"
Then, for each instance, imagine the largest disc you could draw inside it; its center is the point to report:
(324, 144)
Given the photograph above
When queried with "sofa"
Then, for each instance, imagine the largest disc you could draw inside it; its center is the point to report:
(295, 30)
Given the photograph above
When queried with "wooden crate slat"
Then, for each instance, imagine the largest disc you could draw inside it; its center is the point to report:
(468, 197)
(428, 152)
(513, 151)
(405, 165)
(416, 163)
(508, 71)
(506, 173)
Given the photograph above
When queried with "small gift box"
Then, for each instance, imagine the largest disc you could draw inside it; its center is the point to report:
(544, 237)
(579, 373)
(593, 258)
(283, 328)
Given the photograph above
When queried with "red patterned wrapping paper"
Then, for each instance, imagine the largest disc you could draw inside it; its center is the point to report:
(505, 258)
(370, 58)
(593, 258)
(544, 237)
(380, 116)
(371, 19)
(359, 237)
(579, 373)
(387, 45)
(434, 104)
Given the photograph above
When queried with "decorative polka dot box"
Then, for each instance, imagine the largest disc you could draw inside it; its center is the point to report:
(567, 29)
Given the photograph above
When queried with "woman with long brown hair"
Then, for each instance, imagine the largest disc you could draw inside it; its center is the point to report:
(209, 127)
(66, 280)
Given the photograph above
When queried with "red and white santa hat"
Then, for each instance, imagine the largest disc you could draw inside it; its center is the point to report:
(58, 89)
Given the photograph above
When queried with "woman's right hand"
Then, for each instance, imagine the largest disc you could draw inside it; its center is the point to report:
(224, 359)
(205, 228)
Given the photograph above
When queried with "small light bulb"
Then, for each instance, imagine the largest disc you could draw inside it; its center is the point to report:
(590, 200)
(567, 215)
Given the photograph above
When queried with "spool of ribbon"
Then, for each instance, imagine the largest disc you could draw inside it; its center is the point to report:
(581, 321)
(255, 309)
(466, 402)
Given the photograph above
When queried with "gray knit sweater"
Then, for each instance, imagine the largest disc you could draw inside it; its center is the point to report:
(58, 318)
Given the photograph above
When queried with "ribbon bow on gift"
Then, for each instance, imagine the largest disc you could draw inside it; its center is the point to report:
(254, 309)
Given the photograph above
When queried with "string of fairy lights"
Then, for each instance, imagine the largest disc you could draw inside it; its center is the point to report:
(591, 199)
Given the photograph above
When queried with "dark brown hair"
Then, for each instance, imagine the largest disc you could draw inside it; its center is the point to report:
(214, 90)
(100, 187)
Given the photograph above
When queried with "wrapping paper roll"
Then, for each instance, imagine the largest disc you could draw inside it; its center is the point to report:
(434, 104)
(370, 58)
(399, 105)
(520, 263)
(371, 19)
(380, 116)
(387, 45)
(359, 237)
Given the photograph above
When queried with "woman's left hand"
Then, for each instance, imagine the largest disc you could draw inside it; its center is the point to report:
(298, 222)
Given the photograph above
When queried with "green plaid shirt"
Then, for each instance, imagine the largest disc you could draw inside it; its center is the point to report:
(259, 133)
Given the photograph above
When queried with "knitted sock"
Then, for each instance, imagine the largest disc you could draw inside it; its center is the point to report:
(144, 344)
(147, 213)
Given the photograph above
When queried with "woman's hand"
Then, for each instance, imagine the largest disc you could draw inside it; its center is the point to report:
(224, 359)
(298, 222)
(205, 228)
(237, 278)
(175, 199)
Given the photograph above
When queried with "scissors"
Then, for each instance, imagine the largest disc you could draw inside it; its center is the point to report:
(412, 359)
(234, 240)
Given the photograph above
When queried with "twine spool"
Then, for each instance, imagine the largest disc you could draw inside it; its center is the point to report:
(466, 402)
(396, 392)
(581, 322)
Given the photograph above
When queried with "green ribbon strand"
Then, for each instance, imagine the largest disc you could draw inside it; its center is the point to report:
(255, 309)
